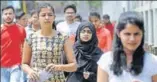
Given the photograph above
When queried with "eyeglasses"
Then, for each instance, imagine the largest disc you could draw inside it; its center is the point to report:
(86, 31)
(72, 13)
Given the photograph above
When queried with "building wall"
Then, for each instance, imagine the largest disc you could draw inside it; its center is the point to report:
(113, 8)
(3, 3)
(148, 10)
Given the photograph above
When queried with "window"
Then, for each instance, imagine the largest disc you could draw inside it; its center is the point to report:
(152, 26)
(155, 27)
(141, 3)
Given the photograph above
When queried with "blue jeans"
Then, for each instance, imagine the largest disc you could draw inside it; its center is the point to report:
(23, 76)
(11, 74)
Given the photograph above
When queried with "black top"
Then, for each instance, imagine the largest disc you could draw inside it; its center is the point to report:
(87, 54)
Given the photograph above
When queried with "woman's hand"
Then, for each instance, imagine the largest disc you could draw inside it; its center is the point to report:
(53, 67)
(33, 76)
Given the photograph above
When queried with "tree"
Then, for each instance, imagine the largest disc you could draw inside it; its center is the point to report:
(95, 4)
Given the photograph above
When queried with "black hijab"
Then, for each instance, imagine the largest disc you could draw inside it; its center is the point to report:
(86, 52)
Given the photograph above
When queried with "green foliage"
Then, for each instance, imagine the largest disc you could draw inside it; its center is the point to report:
(95, 4)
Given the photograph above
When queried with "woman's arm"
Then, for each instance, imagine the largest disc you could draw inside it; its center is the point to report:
(154, 78)
(71, 66)
(26, 58)
(102, 76)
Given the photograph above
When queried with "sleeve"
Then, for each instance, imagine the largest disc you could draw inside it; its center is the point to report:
(104, 62)
(22, 32)
(27, 31)
(58, 27)
(24, 35)
(65, 37)
(29, 39)
(154, 64)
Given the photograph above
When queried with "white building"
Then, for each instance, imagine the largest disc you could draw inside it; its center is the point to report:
(113, 9)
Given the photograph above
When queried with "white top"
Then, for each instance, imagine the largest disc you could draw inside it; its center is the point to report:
(149, 69)
(66, 28)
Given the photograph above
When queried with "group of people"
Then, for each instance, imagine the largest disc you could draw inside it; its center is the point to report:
(73, 51)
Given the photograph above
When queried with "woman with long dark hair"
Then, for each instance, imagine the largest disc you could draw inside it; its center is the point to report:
(128, 61)
(87, 54)
(42, 59)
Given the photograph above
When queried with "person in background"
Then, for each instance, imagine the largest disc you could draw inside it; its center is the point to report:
(87, 54)
(29, 20)
(21, 18)
(34, 25)
(78, 18)
(43, 59)
(128, 61)
(113, 24)
(103, 34)
(108, 25)
(69, 26)
(12, 38)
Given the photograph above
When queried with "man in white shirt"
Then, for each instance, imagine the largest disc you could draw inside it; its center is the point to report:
(69, 26)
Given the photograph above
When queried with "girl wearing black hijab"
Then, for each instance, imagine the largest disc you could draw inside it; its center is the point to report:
(87, 54)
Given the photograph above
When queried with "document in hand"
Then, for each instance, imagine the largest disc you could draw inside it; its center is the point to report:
(44, 75)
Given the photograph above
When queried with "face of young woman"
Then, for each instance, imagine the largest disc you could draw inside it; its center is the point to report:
(131, 37)
(95, 20)
(46, 16)
(23, 20)
(34, 19)
(106, 21)
(85, 34)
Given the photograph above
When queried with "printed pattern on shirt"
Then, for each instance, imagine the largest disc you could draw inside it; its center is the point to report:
(47, 50)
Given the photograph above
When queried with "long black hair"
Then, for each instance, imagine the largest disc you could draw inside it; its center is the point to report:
(46, 5)
(119, 57)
